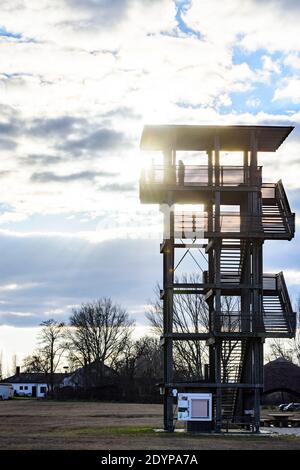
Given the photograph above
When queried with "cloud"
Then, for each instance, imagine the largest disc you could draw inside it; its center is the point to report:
(4, 173)
(117, 187)
(8, 144)
(58, 127)
(55, 274)
(15, 287)
(292, 5)
(123, 112)
(97, 141)
(8, 128)
(292, 276)
(108, 14)
(293, 61)
(50, 177)
(252, 24)
(253, 102)
(44, 160)
(289, 89)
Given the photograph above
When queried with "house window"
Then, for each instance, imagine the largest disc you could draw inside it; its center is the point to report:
(25, 387)
(42, 389)
(21, 387)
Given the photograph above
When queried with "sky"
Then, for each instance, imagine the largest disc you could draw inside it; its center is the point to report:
(78, 81)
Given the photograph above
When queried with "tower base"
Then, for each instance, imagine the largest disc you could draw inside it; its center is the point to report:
(199, 426)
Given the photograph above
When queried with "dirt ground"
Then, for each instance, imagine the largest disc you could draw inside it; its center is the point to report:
(34, 424)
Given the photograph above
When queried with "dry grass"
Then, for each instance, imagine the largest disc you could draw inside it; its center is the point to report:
(33, 424)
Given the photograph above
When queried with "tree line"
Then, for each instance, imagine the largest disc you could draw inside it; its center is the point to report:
(101, 333)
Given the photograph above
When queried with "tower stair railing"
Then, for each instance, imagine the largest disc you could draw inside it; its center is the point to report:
(278, 316)
(233, 353)
(276, 212)
(197, 175)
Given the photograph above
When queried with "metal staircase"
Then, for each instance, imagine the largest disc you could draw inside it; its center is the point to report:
(230, 261)
(277, 217)
(233, 355)
(274, 319)
(278, 317)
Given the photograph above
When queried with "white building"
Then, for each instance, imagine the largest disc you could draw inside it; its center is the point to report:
(31, 384)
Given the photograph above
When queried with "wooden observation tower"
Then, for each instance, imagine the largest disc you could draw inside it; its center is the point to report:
(240, 213)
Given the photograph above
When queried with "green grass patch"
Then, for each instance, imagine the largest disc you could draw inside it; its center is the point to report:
(24, 398)
(103, 430)
(140, 430)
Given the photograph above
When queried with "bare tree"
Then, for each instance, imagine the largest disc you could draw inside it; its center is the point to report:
(190, 314)
(52, 345)
(99, 331)
(148, 357)
(48, 355)
(125, 364)
(141, 358)
(36, 363)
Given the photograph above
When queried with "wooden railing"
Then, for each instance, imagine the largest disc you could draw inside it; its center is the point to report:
(290, 316)
(200, 175)
(195, 224)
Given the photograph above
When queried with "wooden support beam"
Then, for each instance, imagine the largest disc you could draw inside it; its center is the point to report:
(188, 336)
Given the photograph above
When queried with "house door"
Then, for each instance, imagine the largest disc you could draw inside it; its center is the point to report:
(33, 392)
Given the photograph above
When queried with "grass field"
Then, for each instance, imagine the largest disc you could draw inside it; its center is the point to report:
(33, 424)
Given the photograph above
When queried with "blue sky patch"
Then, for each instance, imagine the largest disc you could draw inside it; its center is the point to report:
(8, 34)
(182, 6)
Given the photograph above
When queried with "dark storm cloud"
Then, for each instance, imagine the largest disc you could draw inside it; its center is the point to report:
(99, 140)
(67, 271)
(49, 176)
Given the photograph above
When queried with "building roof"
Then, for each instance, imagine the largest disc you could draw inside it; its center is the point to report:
(281, 374)
(232, 138)
(90, 374)
(34, 377)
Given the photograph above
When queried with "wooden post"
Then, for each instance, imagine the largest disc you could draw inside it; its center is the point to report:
(168, 281)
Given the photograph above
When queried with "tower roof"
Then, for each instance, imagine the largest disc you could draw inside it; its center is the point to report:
(232, 138)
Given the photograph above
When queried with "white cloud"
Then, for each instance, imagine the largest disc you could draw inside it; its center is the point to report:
(293, 61)
(252, 24)
(14, 286)
(289, 90)
(292, 276)
(253, 102)
(76, 67)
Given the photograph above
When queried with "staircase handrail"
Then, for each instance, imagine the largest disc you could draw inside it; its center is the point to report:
(283, 197)
(290, 316)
